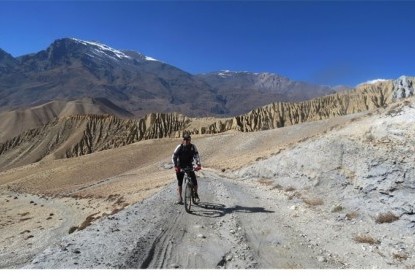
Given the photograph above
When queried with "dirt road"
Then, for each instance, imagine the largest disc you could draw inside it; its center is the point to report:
(236, 225)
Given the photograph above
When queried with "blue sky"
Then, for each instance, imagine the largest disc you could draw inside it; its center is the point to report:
(326, 42)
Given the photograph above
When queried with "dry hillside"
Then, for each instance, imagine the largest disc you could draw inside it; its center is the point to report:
(68, 136)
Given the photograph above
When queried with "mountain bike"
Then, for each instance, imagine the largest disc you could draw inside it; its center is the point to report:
(189, 191)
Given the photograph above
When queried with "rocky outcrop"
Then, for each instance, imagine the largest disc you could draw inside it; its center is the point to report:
(103, 133)
(403, 87)
(364, 98)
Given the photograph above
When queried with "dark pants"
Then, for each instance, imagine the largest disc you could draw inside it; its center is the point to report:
(180, 177)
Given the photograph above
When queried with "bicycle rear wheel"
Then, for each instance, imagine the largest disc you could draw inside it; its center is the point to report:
(188, 197)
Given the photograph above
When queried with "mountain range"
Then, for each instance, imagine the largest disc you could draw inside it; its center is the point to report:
(72, 69)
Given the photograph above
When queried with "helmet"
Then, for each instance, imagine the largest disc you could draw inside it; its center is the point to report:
(186, 136)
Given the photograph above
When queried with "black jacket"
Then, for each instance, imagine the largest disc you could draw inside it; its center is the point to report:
(183, 156)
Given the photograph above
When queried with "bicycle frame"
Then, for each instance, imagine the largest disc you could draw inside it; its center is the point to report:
(189, 192)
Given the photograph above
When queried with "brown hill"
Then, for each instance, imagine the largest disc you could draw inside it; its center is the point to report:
(12, 123)
(83, 134)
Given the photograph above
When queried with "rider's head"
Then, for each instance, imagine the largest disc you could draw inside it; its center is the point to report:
(186, 138)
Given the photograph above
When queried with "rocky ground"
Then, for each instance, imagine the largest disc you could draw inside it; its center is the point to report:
(337, 194)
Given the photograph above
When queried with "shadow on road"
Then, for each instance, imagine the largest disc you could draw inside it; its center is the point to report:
(207, 209)
(243, 209)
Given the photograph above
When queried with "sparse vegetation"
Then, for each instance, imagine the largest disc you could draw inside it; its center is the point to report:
(352, 215)
(289, 189)
(370, 137)
(89, 219)
(111, 197)
(116, 210)
(23, 214)
(265, 181)
(119, 201)
(337, 208)
(313, 201)
(295, 194)
(365, 239)
(72, 229)
(386, 218)
(400, 256)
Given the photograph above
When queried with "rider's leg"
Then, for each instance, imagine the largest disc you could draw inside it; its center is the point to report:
(179, 191)
(180, 176)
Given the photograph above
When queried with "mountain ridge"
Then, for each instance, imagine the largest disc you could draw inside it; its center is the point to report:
(72, 69)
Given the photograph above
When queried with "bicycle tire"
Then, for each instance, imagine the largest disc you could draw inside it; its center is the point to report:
(187, 197)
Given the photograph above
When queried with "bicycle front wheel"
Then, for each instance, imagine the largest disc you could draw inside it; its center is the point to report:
(187, 197)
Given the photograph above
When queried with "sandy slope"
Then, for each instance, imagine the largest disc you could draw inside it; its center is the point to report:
(14, 122)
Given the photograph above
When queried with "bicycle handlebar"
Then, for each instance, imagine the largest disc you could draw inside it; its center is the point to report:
(190, 169)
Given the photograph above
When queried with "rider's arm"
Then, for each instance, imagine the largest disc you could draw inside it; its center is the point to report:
(196, 156)
(175, 155)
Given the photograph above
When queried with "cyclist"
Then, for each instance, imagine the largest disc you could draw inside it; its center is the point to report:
(183, 157)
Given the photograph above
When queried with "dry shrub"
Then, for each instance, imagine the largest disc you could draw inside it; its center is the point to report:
(112, 197)
(365, 239)
(89, 219)
(277, 186)
(116, 210)
(23, 214)
(265, 182)
(386, 218)
(295, 194)
(352, 215)
(289, 189)
(72, 229)
(370, 137)
(313, 201)
(400, 256)
(119, 201)
(337, 208)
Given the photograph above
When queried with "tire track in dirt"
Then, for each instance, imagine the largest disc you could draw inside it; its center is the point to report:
(263, 220)
(205, 238)
(234, 226)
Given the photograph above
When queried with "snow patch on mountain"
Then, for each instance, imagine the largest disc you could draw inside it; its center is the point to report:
(102, 49)
(372, 81)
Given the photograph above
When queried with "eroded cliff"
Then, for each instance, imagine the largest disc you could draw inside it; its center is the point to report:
(84, 134)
